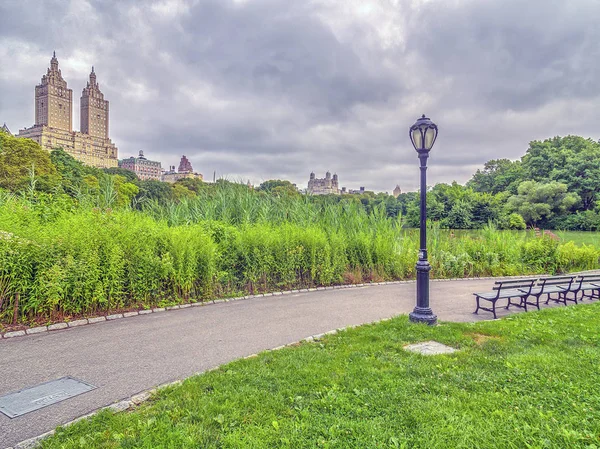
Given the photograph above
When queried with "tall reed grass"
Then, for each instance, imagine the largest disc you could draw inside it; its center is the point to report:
(60, 257)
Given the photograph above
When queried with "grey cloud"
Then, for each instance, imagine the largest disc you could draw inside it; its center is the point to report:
(266, 89)
(511, 54)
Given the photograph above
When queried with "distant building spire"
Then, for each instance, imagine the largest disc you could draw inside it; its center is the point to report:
(92, 81)
(54, 62)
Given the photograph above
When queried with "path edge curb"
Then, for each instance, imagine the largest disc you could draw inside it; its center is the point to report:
(117, 316)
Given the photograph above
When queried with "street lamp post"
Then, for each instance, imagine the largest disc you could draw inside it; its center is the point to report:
(422, 135)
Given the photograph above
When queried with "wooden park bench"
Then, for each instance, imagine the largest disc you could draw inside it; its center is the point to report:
(512, 289)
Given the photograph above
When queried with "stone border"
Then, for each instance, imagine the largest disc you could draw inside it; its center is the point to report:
(116, 316)
(139, 398)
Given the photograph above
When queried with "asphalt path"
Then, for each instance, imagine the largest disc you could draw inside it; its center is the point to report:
(130, 355)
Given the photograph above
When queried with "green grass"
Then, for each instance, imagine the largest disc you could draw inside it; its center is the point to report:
(527, 381)
(580, 237)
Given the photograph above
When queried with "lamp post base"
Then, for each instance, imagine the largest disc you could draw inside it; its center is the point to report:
(423, 315)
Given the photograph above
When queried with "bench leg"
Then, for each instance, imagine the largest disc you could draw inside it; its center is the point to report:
(537, 301)
(477, 309)
(494, 309)
(562, 297)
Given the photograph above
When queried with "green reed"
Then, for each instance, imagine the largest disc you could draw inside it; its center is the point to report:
(61, 257)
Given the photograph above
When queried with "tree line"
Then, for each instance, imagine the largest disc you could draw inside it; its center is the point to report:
(555, 185)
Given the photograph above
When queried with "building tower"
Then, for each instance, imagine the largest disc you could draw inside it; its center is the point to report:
(53, 100)
(94, 110)
(185, 166)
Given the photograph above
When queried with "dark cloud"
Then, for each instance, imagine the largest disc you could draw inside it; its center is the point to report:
(260, 89)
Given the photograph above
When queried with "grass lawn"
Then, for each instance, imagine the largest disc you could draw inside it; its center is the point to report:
(527, 381)
(580, 237)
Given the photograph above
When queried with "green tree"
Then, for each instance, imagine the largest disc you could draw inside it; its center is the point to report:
(571, 160)
(181, 192)
(193, 184)
(436, 210)
(73, 173)
(18, 157)
(460, 216)
(537, 201)
(127, 174)
(126, 191)
(487, 208)
(152, 190)
(498, 175)
(71, 170)
(515, 221)
(91, 183)
(278, 187)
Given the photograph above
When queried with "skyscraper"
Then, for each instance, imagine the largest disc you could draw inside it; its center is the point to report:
(54, 100)
(94, 109)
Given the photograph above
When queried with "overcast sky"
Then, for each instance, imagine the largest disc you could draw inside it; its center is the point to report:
(275, 89)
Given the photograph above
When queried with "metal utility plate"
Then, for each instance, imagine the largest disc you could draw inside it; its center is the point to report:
(33, 398)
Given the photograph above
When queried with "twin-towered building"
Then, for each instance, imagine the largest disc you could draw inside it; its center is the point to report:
(323, 186)
(53, 126)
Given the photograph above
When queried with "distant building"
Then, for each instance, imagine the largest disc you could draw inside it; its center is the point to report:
(5, 129)
(142, 167)
(360, 191)
(53, 126)
(184, 171)
(324, 186)
(185, 166)
(397, 191)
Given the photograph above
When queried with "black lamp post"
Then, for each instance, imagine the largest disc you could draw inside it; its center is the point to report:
(422, 135)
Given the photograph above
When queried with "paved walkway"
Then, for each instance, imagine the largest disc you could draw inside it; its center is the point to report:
(130, 355)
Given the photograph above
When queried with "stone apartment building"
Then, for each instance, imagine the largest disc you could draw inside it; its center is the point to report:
(324, 186)
(142, 167)
(53, 126)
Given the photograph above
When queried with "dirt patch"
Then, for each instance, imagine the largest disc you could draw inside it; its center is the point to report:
(482, 338)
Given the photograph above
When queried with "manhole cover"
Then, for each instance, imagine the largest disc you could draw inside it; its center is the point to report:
(430, 348)
(33, 398)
